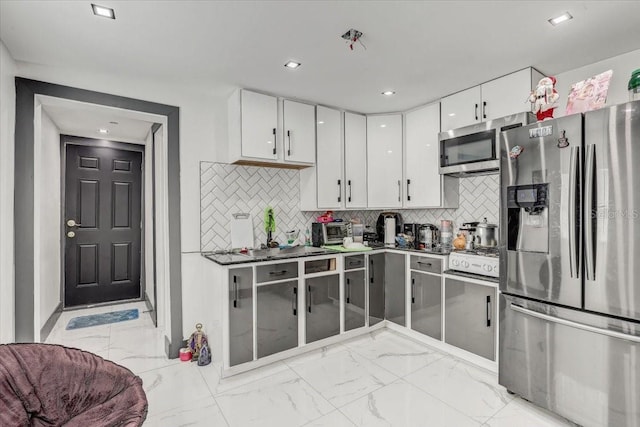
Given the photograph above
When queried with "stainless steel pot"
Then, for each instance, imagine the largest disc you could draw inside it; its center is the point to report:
(486, 235)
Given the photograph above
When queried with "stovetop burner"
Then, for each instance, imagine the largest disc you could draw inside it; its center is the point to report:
(488, 252)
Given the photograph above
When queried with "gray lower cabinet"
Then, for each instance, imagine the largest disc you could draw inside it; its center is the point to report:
(394, 288)
(426, 304)
(277, 317)
(354, 299)
(240, 315)
(376, 288)
(470, 317)
(322, 307)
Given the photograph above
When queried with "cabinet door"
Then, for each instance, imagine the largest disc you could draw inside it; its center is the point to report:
(240, 315)
(354, 300)
(469, 317)
(376, 288)
(329, 159)
(384, 161)
(394, 288)
(277, 317)
(506, 95)
(259, 123)
(322, 307)
(355, 160)
(461, 109)
(426, 304)
(299, 132)
(423, 182)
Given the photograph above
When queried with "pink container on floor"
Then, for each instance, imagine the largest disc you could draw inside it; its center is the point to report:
(185, 354)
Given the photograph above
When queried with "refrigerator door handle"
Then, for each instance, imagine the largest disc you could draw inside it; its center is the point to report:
(569, 323)
(588, 212)
(574, 268)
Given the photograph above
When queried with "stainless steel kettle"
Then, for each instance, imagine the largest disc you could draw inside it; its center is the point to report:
(429, 236)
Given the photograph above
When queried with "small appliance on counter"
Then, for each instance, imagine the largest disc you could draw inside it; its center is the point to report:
(486, 235)
(380, 225)
(330, 233)
(428, 236)
(412, 230)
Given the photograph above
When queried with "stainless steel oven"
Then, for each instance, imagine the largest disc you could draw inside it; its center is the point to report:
(474, 149)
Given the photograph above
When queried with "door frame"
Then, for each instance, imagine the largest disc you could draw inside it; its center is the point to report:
(27, 91)
(65, 141)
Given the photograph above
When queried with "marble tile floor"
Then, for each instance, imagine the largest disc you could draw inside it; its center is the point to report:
(378, 379)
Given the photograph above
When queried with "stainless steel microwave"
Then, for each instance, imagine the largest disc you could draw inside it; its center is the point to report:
(474, 149)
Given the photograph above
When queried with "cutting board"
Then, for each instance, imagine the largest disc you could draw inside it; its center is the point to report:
(241, 231)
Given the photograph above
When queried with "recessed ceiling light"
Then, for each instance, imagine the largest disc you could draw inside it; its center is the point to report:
(452, 114)
(383, 126)
(320, 122)
(559, 19)
(103, 131)
(389, 93)
(292, 64)
(105, 12)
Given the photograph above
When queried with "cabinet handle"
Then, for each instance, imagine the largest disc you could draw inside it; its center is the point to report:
(408, 196)
(277, 273)
(349, 184)
(348, 290)
(235, 292)
(413, 290)
(399, 190)
(488, 311)
(371, 272)
(476, 111)
(289, 138)
(484, 110)
(339, 191)
(274, 141)
(354, 263)
(294, 301)
(309, 297)
(428, 264)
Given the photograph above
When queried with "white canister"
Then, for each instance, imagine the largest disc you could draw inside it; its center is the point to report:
(390, 231)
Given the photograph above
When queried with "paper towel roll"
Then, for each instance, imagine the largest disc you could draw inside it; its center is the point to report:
(389, 231)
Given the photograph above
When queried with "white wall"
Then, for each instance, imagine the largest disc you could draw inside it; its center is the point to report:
(47, 256)
(7, 128)
(622, 67)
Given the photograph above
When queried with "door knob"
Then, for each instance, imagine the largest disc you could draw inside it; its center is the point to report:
(71, 234)
(72, 223)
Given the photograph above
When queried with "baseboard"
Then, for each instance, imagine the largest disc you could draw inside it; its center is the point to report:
(173, 350)
(50, 323)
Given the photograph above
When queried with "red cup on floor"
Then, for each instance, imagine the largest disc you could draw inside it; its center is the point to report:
(185, 354)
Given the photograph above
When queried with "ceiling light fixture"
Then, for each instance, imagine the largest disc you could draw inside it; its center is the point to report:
(103, 131)
(320, 122)
(559, 19)
(105, 12)
(383, 125)
(292, 64)
(389, 93)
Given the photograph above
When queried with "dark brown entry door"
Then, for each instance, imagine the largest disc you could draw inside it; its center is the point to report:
(102, 251)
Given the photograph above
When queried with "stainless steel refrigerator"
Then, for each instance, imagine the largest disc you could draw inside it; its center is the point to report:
(570, 250)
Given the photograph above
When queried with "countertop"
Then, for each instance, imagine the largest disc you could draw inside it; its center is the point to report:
(233, 258)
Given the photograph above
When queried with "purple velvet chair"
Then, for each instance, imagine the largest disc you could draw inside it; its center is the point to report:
(52, 385)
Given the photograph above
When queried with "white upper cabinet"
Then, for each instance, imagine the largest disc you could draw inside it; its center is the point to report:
(330, 180)
(422, 180)
(264, 130)
(259, 122)
(355, 160)
(461, 109)
(491, 100)
(299, 132)
(384, 160)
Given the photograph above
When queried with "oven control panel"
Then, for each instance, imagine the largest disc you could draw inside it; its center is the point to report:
(483, 265)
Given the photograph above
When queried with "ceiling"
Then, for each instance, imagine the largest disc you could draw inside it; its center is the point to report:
(422, 50)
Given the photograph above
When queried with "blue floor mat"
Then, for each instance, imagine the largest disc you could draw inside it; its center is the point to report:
(102, 319)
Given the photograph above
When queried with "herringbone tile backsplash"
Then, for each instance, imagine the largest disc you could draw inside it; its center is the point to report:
(227, 189)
